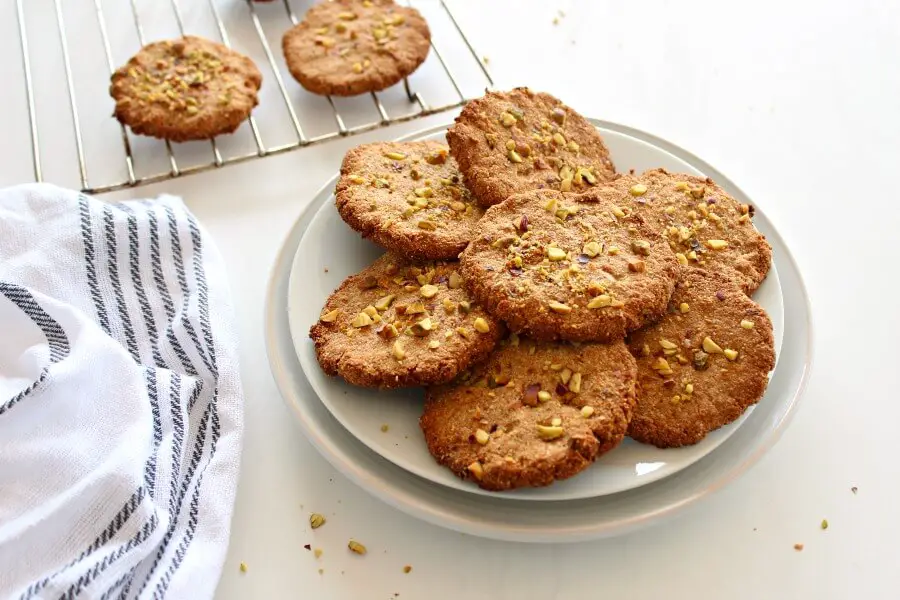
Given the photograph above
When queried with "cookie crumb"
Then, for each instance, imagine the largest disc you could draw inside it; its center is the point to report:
(485, 59)
(824, 523)
(317, 552)
(384, 428)
(356, 547)
(854, 489)
(798, 547)
(556, 20)
(243, 567)
(407, 568)
(316, 520)
(321, 571)
(307, 546)
(326, 269)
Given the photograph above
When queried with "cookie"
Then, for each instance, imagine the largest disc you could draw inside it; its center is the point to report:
(702, 364)
(185, 89)
(398, 324)
(348, 47)
(534, 413)
(407, 197)
(565, 266)
(708, 229)
(516, 141)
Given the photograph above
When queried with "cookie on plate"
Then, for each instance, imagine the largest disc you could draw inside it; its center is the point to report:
(516, 141)
(407, 197)
(534, 413)
(702, 364)
(565, 266)
(348, 47)
(707, 228)
(398, 324)
(185, 89)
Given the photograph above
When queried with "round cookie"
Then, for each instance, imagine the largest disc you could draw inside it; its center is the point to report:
(185, 89)
(348, 47)
(708, 229)
(407, 197)
(399, 324)
(516, 141)
(534, 413)
(566, 266)
(702, 364)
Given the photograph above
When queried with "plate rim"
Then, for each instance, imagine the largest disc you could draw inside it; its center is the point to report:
(299, 328)
(370, 483)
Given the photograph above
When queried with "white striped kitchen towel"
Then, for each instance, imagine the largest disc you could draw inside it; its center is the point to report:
(120, 399)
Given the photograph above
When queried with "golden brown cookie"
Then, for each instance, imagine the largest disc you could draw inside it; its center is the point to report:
(702, 364)
(350, 47)
(398, 323)
(708, 229)
(185, 89)
(534, 413)
(516, 141)
(566, 266)
(407, 197)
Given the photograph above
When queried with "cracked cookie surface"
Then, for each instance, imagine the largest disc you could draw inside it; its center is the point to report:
(566, 266)
(350, 47)
(408, 197)
(185, 89)
(516, 141)
(702, 364)
(534, 413)
(398, 323)
(706, 228)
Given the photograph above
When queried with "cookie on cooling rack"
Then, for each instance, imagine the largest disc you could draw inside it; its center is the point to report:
(185, 89)
(707, 228)
(398, 323)
(566, 266)
(350, 47)
(702, 364)
(534, 413)
(516, 141)
(407, 197)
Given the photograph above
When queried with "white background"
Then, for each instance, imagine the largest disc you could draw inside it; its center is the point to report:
(797, 102)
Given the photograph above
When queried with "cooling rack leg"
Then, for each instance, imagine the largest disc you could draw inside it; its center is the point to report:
(104, 36)
(260, 148)
(278, 80)
(471, 48)
(29, 94)
(73, 105)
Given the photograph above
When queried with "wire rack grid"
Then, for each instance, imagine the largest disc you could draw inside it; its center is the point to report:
(301, 139)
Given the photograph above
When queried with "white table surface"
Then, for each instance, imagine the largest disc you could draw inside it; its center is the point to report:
(799, 103)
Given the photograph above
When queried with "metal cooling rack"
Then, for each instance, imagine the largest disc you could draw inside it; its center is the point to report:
(421, 106)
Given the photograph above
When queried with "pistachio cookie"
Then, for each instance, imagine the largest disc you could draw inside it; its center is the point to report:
(407, 197)
(350, 47)
(398, 324)
(708, 229)
(534, 413)
(185, 89)
(702, 364)
(512, 142)
(565, 266)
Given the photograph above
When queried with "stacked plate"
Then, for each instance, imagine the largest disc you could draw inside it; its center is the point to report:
(629, 487)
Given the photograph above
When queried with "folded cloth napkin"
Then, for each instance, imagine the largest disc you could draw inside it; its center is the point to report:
(120, 399)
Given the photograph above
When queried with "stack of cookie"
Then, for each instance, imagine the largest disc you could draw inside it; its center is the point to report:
(549, 305)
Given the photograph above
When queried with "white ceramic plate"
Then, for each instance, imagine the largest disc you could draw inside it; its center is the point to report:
(328, 242)
(565, 521)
